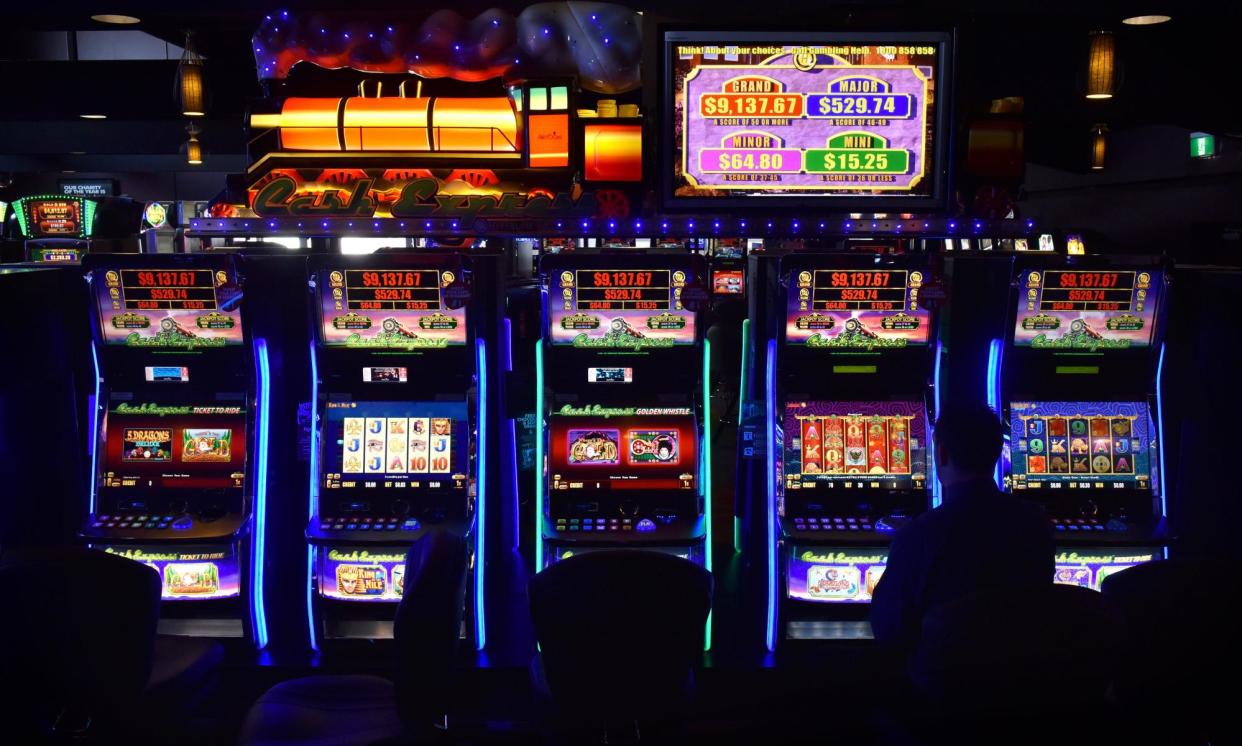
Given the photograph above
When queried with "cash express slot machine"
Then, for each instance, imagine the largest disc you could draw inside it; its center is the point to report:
(399, 375)
(850, 373)
(178, 446)
(1077, 380)
(620, 373)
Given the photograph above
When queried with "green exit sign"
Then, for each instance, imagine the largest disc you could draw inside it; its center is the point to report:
(1202, 145)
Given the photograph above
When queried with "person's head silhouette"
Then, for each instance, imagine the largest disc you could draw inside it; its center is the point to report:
(968, 443)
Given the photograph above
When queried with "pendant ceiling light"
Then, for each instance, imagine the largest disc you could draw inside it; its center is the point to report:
(1102, 65)
(1099, 142)
(193, 148)
(190, 80)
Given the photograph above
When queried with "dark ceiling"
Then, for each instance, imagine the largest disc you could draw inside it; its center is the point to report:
(1178, 73)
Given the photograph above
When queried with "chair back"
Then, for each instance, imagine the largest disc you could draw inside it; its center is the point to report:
(620, 632)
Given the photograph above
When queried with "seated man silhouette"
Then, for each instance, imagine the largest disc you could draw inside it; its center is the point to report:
(978, 539)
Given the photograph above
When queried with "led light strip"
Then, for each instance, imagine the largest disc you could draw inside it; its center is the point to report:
(770, 364)
(313, 497)
(259, 541)
(480, 619)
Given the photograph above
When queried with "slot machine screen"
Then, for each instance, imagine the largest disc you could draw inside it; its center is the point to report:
(151, 446)
(1088, 567)
(1087, 311)
(395, 445)
(728, 282)
(169, 308)
(637, 450)
(855, 309)
(834, 574)
(1080, 445)
(399, 309)
(631, 309)
(822, 120)
(866, 444)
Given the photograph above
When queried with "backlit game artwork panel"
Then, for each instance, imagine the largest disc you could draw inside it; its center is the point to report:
(1080, 445)
(831, 443)
(631, 448)
(1087, 311)
(620, 309)
(399, 309)
(151, 445)
(188, 573)
(774, 120)
(834, 574)
(169, 308)
(1089, 567)
(851, 309)
(395, 445)
(362, 573)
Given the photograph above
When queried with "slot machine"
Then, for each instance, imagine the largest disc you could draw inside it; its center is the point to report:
(849, 368)
(401, 372)
(178, 446)
(1077, 380)
(621, 393)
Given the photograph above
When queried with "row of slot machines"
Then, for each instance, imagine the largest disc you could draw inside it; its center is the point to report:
(410, 425)
(849, 371)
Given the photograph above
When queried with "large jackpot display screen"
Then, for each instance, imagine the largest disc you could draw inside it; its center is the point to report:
(1087, 311)
(400, 309)
(806, 117)
(184, 446)
(856, 309)
(169, 308)
(620, 308)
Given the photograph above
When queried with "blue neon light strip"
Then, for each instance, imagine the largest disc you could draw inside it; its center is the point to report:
(539, 435)
(771, 480)
(313, 497)
(707, 473)
(937, 498)
(480, 620)
(1164, 500)
(743, 396)
(510, 448)
(993, 394)
(93, 440)
(259, 541)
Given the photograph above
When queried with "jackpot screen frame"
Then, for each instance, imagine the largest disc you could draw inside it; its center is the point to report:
(936, 169)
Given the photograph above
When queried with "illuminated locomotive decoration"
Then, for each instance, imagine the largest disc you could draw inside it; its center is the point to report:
(532, 133)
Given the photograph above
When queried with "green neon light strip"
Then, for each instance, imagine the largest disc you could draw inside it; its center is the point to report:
(707, 473)
(539, 435)
(741, 398)
(19, 209)
(1078, 370)
(88, 217)
(853, 369)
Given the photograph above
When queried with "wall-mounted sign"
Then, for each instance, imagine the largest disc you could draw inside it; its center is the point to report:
(88, 187)
(155, 215)
(1202, 145)
(49, 216)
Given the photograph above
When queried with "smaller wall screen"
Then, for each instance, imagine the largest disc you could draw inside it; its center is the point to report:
(853, 309)
(620, 308)
(829, 444)
(161, 446)
(400, 309)
(835, 574)
(1080, 445)
(1087, 311)
(169, 308)
(634, 449)
(395, 445)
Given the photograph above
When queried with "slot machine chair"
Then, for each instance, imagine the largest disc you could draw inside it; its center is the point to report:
(82, 642)
(352, 709)
(1021, 665)
(1180, 643)
(620, 633)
